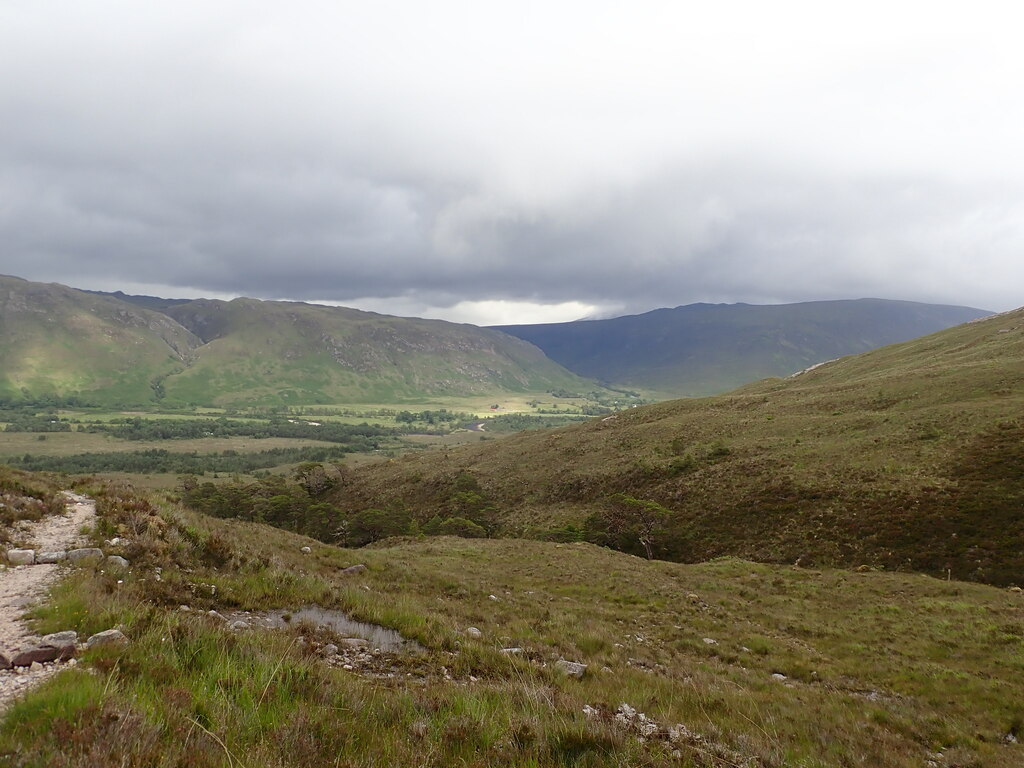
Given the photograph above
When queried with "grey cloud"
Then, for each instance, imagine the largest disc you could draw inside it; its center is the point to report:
(310, 156)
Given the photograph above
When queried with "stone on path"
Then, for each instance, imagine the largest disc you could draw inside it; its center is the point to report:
(21, 556)
(51, 557)
(85, 556)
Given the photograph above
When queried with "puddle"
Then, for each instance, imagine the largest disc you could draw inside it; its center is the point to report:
(378, 637)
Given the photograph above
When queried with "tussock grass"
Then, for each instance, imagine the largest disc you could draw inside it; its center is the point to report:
(881, 669)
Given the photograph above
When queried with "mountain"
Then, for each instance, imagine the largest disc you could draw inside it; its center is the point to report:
(112, 349)
(909, 456)
(704, 349)
(59, 342)
(258, 351)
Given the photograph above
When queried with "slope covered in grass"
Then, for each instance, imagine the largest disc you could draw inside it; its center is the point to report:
(731, 663)
(56, 342)
(910, 456)
(265, 351)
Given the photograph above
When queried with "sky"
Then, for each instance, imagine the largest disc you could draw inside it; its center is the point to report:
(515, 162)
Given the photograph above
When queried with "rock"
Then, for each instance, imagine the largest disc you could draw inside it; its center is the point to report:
(1016, 589)
(51, 557)
(306, 550)
(85, 556)
(494, 598)
(21, 556)
(571, 668)
(710, 641)
(330, 650)
(238, 625)
(354, 642)
(184, 608)
(116, 561)
(779, 676)
(5, 661)
(215, 615)
(473, 632)
(40, 654)
(863, 568)
(352, 569)
(114, 637)
(512, 651)
(65, 639)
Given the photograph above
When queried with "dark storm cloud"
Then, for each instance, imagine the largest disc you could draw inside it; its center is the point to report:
(470, 155)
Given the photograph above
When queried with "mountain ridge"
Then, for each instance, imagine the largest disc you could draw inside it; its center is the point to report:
(703, 349)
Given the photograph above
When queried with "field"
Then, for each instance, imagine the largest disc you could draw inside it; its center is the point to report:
(404, 427)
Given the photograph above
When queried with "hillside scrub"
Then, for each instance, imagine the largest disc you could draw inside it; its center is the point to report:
(722, 664)
(907, 457)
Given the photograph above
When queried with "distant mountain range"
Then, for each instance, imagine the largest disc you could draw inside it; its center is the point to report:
(59, 342)
(703, 349)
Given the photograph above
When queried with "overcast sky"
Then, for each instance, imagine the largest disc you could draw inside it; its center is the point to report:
(515, 162)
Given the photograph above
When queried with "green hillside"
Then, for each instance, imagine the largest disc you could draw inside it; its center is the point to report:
(57, 342)
(266, 352)
(910, 457)
(110, 349)
(705, 349)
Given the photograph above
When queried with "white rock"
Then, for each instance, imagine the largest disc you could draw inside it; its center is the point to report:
(710, 641)
(21, 556)
(107, 637)
(495, 598)
(571, 668)
(215, 615)
(238, 625)
(778, 676)
(473, 632)
(512, 651)
(306, 550)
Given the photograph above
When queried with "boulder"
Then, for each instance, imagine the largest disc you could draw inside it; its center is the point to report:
(66, 639)
(238, 625)
(473, 632)
(51, 557)
(85, 556)
(21, 556)
(109, 637)
(352, 569)
(571, 668)
(330, 650)
(306, 550)
(38, 654)
(5, 661)
(116, 561)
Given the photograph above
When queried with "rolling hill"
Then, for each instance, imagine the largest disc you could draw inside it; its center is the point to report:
(705, 349)
(58, 342)
(115, 350)
(910, 456)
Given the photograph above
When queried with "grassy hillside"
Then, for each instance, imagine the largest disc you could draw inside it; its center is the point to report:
(910, 456)
(262, 351)
(705, 349)
(721, 664)
(61, 343)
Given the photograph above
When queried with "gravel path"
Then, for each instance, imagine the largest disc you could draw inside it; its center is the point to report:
(26, 585)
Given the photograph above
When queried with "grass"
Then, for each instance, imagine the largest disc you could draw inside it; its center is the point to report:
(881, 669)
